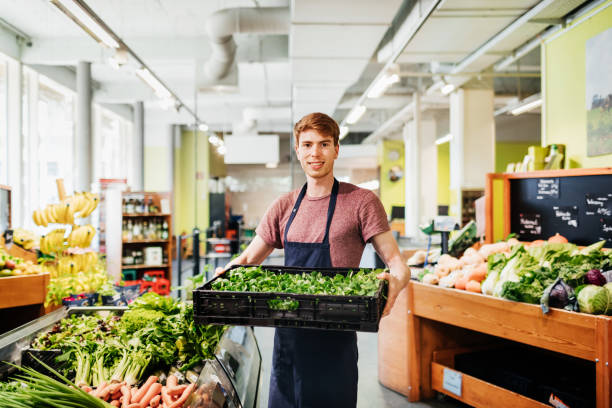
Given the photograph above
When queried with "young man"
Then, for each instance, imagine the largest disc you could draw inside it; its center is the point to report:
(323, 224)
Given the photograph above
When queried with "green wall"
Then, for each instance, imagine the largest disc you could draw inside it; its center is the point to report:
(509, 153)
(188, 178)
(564, 78)
(444, 174)
(391, 193)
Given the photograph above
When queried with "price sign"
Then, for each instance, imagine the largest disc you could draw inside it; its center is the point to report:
(548, 188)
(599, 204)
(530, 225)
(567, 214)
(451, 381)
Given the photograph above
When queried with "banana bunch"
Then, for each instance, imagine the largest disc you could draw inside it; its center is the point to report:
(80, 204)
(53, 242)
(85, 261)
(83, 203)
(81, 236)
(26, 239)
(66, 266)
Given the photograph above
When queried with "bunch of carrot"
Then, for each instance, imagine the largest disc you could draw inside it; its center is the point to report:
(152, 393)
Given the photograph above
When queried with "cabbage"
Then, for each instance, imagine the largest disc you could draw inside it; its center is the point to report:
(593, 299)
(608, 287)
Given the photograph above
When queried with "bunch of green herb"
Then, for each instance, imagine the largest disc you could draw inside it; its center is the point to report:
(258, 279)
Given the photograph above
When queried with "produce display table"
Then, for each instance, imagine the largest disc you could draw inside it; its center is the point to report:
(23, 290)
(439, 319)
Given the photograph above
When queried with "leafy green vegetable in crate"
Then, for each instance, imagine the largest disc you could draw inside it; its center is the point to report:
(593, 299)
(258, 279)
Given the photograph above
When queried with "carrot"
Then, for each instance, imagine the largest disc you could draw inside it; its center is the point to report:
(104, 392)
(155, 401)
(116, 386)
(134, 405)
(176, 390)
(153, 390)
(462, 281)
(87, 389)
(473, 286)
(116, 395)
(101, 386)
(172, 381)
(179, 402)
(165, 397)
(137, 396)
(115, 403)
(478, 273)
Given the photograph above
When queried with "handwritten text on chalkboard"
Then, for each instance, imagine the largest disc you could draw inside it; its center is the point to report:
(567, 214)
(530, 224)
(548, 188)
(599, 204)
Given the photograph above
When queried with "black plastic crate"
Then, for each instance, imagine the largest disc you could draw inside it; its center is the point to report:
(328, 312)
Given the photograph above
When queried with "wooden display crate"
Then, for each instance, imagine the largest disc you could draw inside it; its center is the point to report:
(23, 290)
(575, 334)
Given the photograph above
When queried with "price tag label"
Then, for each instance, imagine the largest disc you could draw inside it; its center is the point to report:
(451, 381)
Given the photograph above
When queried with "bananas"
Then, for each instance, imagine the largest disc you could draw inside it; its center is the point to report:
(53, 242)
(24, 238)
(73, 264)
(81, 236)
(81, 204)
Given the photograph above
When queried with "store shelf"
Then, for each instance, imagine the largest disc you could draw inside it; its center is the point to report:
(23, 290)
(147, 241)
(143, 266)
(145, 215)
(435, 315)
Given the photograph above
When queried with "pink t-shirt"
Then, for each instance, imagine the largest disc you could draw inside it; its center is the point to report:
(359, 215)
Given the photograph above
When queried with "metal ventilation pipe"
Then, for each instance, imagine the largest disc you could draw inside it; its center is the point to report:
(223, 24)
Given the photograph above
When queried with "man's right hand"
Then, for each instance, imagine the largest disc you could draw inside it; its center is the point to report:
(219, 271)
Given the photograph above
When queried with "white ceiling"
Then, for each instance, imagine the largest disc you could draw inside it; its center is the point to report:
(324, 62)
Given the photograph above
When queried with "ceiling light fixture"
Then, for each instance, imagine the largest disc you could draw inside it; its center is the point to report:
(203, 127)
(79, 12)
(343, 132)
(382, 83)
(444, 139)
(447, 89)
(526, 105)
(355, 114)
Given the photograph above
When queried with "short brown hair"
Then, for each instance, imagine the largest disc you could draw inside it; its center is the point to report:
(320, 122)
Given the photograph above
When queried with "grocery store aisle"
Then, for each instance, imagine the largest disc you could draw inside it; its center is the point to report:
(371, 393)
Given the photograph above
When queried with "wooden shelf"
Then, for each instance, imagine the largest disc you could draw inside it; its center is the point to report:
(147, 241)
(435, 314)
(145, 215)
(23, 290)
(143, 266)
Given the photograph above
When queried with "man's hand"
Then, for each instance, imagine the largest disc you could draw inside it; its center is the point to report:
(219, 271)
(396, 285)
(399, 274)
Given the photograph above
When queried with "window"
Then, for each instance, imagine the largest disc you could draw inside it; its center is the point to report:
(48, 131)
(113, 139)
(3, 122)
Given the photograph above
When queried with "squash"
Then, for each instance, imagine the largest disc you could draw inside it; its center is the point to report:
(558, 239)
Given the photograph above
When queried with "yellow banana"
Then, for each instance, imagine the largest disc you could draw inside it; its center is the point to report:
(35, 218)
(44, 218)
(52, 213)
(69, 214)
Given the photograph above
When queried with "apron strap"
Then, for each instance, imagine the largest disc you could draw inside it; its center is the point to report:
(330, 209)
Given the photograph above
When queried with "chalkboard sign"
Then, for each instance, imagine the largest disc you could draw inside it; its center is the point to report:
(577, 207)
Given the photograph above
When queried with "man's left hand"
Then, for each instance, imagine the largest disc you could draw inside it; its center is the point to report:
(397, 282)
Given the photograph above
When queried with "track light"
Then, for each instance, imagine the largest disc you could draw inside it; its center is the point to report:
(160, 90)
(343, 132)
(203, 127)
(444, 139)
(382, 84)
(527, 105)
(448, 88)
(81, 15)
(355, 114)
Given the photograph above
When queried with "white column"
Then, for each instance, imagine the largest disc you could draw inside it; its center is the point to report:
(428, 170)
(83, 141)
(472, 147)
(16, 180)
(411, 134)
(138, 184)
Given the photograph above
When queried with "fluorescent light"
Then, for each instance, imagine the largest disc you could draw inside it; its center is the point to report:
(381, 86)
(355, 114)
(203, 127)
(160, 90)
(271, 165)
(86, 21)
(444, 139)
(343, 132)
(448, 88)
(526, 107)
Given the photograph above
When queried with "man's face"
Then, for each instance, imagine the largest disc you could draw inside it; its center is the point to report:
(316, 153)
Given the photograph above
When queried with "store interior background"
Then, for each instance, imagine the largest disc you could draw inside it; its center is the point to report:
(323, 57)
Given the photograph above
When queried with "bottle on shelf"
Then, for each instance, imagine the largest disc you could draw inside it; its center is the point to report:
(150, 208)
(130, 231)
(164, 234)
(129, 207)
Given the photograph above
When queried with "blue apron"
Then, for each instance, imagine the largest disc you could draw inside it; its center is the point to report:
(313, 368)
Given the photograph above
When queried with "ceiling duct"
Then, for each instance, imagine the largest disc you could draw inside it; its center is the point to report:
(223, 24)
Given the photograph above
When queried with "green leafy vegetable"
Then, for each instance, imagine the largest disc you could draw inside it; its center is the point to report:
(593, 299)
